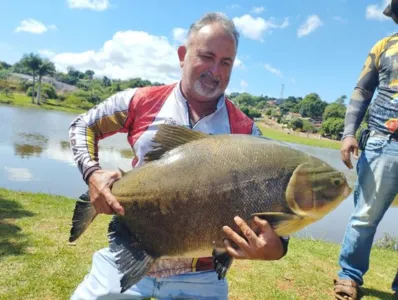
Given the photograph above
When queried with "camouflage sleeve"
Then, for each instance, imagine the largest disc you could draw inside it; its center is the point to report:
(363, 91)
(105, 119)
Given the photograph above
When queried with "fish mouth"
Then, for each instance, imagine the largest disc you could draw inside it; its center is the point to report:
(347, 191)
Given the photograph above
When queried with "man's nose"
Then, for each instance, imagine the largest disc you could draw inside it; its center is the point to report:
(215, 69)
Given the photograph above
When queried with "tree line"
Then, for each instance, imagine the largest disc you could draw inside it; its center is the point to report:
(308, 114)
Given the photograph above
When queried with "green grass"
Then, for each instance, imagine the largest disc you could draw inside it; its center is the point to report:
(283, 136)
(25, 101)
(36, 261)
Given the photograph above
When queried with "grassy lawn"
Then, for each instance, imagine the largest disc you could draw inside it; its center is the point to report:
(25, 101)
(36, 261)
(282, 136)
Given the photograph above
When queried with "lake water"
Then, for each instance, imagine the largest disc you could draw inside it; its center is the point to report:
(35, 157)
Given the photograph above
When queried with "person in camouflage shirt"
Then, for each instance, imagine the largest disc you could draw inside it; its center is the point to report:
(377, 167)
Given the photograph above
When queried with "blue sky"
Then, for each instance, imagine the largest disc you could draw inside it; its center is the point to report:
(306, 45)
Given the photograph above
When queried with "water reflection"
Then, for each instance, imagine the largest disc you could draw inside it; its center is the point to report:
(39, 159)
(18, 174)
(29, 144)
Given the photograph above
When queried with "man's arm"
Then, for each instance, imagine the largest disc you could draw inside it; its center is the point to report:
(359, 102)
(105, 119)
(109, 117)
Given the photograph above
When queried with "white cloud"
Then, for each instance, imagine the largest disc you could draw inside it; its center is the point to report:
(273, 70)
(375, 11)
(128, 54)
(33, 26)
(47, 53)
(238, 63)
(257, 10)
(294, 80)
(255, 27)
(179, 34)
(311, 24)
(18, 174)
(98, 5)
(243, 84)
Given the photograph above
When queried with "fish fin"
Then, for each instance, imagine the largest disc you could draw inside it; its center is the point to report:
(83, 215)
(278, 220)
(169, 137)
(131, 259)
(222, 261)
(395, 202)
(122, 172)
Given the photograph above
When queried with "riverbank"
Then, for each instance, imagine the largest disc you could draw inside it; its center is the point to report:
(25, 101)
(274, 131)
(39, 263)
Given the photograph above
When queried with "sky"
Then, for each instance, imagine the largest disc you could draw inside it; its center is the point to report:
(304, 46)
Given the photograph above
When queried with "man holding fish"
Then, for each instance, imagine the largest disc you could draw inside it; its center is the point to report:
(208, 174)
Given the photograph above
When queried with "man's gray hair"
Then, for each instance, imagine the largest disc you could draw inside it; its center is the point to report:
(210, 18)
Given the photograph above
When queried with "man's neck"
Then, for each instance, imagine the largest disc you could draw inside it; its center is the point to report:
(199, 110)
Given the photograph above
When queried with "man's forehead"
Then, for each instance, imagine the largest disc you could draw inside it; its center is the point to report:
(213, 32)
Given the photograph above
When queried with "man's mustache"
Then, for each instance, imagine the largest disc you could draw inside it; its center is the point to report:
(210, 77)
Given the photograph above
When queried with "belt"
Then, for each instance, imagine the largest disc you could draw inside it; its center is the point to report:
(383, 135)
(202, 264)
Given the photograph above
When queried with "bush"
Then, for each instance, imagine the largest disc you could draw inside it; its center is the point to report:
(47, 91)
(77, 102)
(333, 127)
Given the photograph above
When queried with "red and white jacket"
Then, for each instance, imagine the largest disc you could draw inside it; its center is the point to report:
(138, 112)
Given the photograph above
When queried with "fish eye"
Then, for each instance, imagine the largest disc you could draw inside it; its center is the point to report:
(337, 182)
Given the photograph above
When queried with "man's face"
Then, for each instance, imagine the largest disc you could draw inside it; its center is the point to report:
(207, 63)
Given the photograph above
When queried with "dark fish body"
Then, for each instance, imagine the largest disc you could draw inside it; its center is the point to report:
(193, 184)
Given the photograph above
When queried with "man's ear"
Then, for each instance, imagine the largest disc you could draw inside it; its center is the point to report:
(182, 50)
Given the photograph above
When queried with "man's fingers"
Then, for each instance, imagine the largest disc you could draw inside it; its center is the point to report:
(236, 238)
(246, 230)
(356, 153)
(235, 253)
(113, 203)
(262, 224)
(345, 157)
(116, 175)
(101, 207)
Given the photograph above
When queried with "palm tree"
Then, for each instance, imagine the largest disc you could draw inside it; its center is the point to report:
(46, 67)
(32, 62)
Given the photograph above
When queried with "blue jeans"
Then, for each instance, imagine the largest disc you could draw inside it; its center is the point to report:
(374, 191)
(103, 282)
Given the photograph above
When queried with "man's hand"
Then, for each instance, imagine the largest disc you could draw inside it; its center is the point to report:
(100, 194)
(265, 245)
(349, 145)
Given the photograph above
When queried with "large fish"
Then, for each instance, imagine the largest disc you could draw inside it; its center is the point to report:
(194, 183)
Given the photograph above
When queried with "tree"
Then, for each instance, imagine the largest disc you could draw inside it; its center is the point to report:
(296, 124)
(334, 110)
(341, 100)
(106, 81)
(46, 67)
(32, 62)
(89, 74)
(4, 75)
(312, 106)
(333, 127)
(245, 99)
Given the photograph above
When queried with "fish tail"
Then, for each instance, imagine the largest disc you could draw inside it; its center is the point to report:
(83, 215)
(132, 260)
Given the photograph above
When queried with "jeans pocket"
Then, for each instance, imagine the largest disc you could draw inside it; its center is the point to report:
(376, 144)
